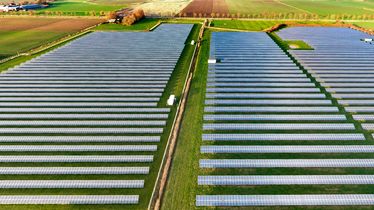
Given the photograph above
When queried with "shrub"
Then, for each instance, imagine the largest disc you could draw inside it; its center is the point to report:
(133, 17)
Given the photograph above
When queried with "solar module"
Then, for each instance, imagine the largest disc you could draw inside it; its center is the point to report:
(19, 184)
(288, 149)
(73, 170)
(278, 126)
(286, 163)
(69, 199)
(285, 179)
(285, 200)
(284, 137)
(104, 139)
(274, 117)
(76, 158)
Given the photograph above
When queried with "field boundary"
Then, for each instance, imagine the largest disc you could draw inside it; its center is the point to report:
(159, 189)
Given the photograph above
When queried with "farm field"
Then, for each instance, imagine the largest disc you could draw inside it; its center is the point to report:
(281, 8)
(368, 25)
(18, 35)
(174, 86)
(163, 7)
(83, 7)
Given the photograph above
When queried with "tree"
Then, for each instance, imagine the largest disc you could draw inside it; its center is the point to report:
(133, 17)
(111, 15)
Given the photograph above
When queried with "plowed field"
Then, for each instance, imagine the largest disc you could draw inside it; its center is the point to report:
(205, 8)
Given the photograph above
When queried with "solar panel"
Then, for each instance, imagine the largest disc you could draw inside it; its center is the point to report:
(19, 184)
(83, 123)
(69, 199)
(237, 117)
(286, 180)
(73, 170)
(288, 149)
(282, 109)
(264, 95)
(81, 148)
(285, 200)
(279, 126)
(286, 163)
(283, 137)
(80, 138)
(75, 130)
(76, 158)
(267, 102)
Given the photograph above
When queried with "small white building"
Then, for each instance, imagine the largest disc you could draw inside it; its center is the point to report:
(212, 60)
(171, 100)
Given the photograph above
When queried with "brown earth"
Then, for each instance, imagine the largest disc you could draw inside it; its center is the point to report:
(205, 8)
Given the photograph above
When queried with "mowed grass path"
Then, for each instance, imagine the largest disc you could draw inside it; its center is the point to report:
(182, 184)
(19, 35)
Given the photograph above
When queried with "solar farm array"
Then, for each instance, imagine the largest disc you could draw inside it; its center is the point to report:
(270, 131)
(343, 64)
(86, 118)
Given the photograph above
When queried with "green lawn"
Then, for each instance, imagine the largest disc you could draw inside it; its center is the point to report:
(327, 7)
(142, 25)
(368, 25)
(260, 25)
(84, 7)
(244, 25)
(256, 7)
(80, 7)
(323, 8)
(15, 42)
(291, 44)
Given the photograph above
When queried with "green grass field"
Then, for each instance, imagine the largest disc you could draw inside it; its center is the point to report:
(79, 7)
(368, 25)
(323, 8)
(84, 7)
(244, 25)
(260, 25)
(18, 35)
(143, 25)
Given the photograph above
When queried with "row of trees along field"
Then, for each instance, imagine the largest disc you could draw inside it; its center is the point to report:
(283, 16)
